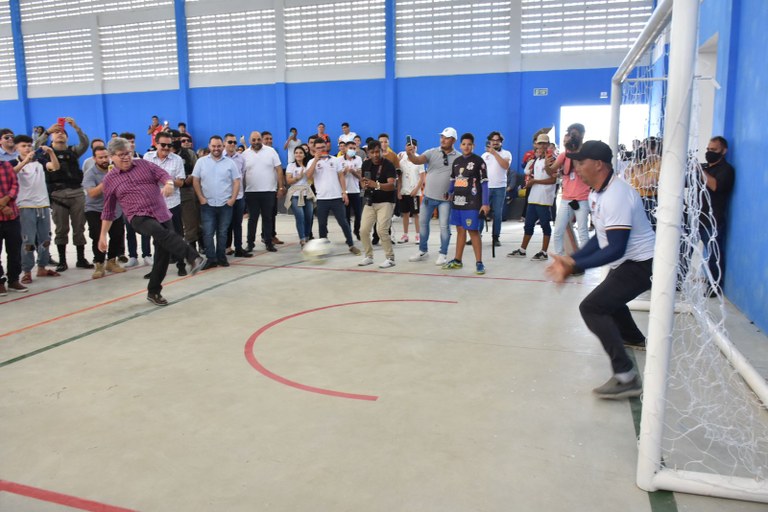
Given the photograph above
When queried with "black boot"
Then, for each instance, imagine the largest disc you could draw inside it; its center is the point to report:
(62, 266)
(81, 261)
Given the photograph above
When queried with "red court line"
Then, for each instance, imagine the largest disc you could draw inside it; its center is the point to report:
(253, 361)
(83, 310)
(35, 294)
(58, 498)
(394, 272)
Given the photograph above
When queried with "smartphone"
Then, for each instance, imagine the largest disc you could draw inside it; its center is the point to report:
(408, 140)
(61, 121)
(39, 153)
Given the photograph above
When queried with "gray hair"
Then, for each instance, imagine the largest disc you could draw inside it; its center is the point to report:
(117, 145)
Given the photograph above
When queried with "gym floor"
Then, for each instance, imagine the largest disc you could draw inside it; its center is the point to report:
(284, 385)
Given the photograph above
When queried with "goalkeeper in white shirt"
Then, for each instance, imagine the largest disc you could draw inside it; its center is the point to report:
(623, 240)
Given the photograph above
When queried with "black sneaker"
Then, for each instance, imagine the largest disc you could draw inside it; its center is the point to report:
(157, 299)
(84, 264)
(637, 345)
(182, 271)
(209, 264)
(61, 267)
(239, 253)
(223, 263)
(615, 390)
(271, 248)
(147, 276)
(540, 256)
(517, 253)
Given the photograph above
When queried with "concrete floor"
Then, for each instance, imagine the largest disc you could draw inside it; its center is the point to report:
(280, 385)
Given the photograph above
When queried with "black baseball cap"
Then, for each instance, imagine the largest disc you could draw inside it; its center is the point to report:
(593, 150)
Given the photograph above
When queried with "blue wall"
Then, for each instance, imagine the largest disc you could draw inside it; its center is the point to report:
(743, 114)
(424, 106)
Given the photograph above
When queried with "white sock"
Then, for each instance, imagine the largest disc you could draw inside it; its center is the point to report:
(626, 377)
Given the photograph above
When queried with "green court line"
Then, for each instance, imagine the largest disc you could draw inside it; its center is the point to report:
(136, 315)
(661, 501)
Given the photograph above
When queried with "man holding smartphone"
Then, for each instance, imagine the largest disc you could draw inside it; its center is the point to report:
(498, 161)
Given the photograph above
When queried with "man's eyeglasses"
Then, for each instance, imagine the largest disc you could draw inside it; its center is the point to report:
(164, 145)
(7, 137)
(122, 156)
(185, 141)
(445, 159)
(495, 140)
(231, 142)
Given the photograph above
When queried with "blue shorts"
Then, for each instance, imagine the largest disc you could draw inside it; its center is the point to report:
(467, 219)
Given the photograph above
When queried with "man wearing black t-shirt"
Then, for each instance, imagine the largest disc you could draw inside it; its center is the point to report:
(65, 188)
(378, 186)
(469, 199)
(719, 176)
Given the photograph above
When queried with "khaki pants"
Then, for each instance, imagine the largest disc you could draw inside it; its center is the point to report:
(69, 205)
(381, 215)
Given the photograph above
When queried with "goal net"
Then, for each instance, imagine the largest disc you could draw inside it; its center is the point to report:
(704, 426)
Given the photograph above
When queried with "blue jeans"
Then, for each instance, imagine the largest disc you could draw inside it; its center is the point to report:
(336, 206)
(35, 235)
(565, 215)
(538, 212)
(304, 216)
(215, 220)
(428, 207)
(496, 198)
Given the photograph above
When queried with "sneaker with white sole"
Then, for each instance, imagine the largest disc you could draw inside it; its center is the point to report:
(365, 262)
(419, 257)
(387, 264)
(540, 256)
(149, 260)
(615, 390)
(479, 268)
(132, 262)
(453, 265)
(417, 239)
(517, 253)
(403, 239)
(442, 259)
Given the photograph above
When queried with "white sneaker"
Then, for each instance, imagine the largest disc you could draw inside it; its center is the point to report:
(403, 239)
(148, 260)
(387, 264)
(419, 257)
(442, 259)
(366, 261)
(132, 262)
(417, 239)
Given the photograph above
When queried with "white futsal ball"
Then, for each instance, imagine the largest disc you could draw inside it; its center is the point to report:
(317, 250)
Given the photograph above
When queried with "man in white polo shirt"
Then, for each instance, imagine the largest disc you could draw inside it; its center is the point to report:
(624, 240)
(263, 173)
(497, 160)
(330, 185)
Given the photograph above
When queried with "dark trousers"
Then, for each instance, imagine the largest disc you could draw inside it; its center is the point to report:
(235, 232)
(167, 243)
(324, 206)
(146, 243)
(178, 227)
(260, 203)
(116, 236)
(355, 207)
(10, 234)
(714, 251)
(606, 313)
(190, 213)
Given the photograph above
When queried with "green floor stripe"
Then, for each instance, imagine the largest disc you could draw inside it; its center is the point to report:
(661, 501)
(136, 315)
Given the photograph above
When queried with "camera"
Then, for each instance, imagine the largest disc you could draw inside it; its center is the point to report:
(574, 205)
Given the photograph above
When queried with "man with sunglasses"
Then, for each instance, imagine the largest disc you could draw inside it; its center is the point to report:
(439, 162)
(235, 232)
(7, 146)
(190, 206)
(174, 166)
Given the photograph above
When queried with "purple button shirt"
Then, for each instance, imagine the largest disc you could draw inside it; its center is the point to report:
(137, 191)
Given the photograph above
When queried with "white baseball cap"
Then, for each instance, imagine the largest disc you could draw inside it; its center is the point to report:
(449, 132)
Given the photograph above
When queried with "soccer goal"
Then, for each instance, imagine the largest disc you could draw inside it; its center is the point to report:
(704, 427)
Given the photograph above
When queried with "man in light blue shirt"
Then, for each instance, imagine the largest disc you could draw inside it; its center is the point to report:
(216, 180)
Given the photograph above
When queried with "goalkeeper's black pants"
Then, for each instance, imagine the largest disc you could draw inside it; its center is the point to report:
(606, 313)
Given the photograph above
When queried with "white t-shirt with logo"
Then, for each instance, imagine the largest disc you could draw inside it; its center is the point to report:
(326, 178)
(541, 194)
(259, 168)
(619, 207)
(173, 165)
(353, 183)
(497, 175)
(32, 190)
(411, 174)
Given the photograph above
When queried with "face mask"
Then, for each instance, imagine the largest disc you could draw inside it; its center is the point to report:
(712, 156)
(351, 153)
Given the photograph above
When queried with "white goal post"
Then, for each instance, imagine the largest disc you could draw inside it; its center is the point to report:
(654, 472)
